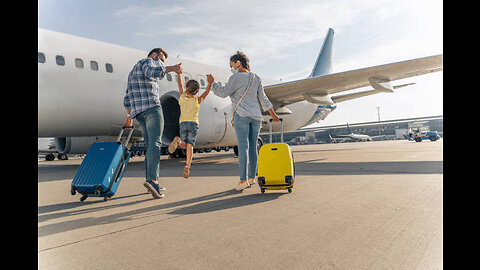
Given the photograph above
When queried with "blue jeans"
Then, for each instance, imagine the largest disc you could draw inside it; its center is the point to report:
(247, 130)
(151, 121)
(189, 132)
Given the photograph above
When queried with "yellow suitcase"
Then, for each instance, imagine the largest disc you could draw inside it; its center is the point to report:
(276, 168)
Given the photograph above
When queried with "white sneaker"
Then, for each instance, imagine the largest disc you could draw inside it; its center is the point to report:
(251, 182)
(173, 145)
(242, 185)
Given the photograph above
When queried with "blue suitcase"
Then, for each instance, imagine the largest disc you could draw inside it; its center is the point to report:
(102, 169)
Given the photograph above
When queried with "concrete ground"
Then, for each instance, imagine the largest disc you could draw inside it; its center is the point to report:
(370, 205)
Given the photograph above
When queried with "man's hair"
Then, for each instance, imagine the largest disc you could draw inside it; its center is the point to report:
(157, 51)
(240, 56)
(191, 87)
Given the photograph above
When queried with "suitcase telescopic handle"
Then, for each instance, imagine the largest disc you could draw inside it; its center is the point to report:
(281, 133)
(129, 134)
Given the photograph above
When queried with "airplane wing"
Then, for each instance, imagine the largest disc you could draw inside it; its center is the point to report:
(319, 89)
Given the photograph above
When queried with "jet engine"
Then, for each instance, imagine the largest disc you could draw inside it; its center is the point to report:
(171, 115)
(78, 145)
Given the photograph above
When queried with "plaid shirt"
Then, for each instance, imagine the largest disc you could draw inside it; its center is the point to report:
(142, 86)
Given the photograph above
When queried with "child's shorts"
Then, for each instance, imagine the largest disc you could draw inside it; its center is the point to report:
(189, 132)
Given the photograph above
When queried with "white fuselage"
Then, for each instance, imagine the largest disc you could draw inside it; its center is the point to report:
(83, 102)
(360, 137)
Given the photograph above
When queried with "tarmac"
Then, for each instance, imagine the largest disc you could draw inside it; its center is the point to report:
(364, 205)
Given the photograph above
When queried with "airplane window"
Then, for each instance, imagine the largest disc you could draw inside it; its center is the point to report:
(176, 77)
(93, 65)
(186, 78)
(220, 83)
(41, 57)
(109, 67)
(169, 77)
(60, 60)
(202, 82)
(78, 63)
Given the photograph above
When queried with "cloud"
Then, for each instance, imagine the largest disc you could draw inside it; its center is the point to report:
(147, 13)
(264, 31)
(270, 30)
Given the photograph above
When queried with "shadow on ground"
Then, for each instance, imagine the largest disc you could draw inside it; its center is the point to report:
(213, 202)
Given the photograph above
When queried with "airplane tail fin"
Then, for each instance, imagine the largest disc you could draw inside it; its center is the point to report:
(349, 130)
(323, 64)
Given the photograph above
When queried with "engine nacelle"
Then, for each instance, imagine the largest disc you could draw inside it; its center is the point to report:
(171, 115)
(78, 145)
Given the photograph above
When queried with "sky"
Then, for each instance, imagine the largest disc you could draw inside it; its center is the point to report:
(281, 38)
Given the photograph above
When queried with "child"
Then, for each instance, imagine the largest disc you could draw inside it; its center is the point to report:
(189, 107)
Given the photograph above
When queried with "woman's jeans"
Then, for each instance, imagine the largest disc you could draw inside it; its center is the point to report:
(151, 121)
(247, 130)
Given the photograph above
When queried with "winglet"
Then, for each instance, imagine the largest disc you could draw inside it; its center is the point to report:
(323, 64)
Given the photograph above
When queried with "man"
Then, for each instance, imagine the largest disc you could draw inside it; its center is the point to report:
(142, 102)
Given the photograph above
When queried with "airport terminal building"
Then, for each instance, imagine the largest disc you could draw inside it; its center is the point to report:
(379, 130)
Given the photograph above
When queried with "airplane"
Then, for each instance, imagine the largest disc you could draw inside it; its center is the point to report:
(82, 82)
(354, 137)
(336, 140)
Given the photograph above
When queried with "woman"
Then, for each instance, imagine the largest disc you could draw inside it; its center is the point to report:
(247, 116)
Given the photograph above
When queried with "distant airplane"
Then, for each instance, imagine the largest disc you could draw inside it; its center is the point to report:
(354, 137)
(337, 140)
(82, 82)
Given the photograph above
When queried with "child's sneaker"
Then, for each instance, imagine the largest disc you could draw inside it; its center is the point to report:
(186, 171)
(173, 145)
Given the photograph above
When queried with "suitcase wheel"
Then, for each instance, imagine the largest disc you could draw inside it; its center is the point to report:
(262, 190)
(83, 198)
(289, 190)
(106, 198)
(73, 192)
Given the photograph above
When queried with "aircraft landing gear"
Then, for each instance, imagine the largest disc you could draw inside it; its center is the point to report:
(62, 157)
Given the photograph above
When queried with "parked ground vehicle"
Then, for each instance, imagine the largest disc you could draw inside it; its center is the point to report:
(421, 133)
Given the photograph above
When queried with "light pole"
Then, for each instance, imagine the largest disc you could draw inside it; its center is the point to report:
(378, 110)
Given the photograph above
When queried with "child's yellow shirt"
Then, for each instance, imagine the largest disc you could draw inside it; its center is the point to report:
(189, 108)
